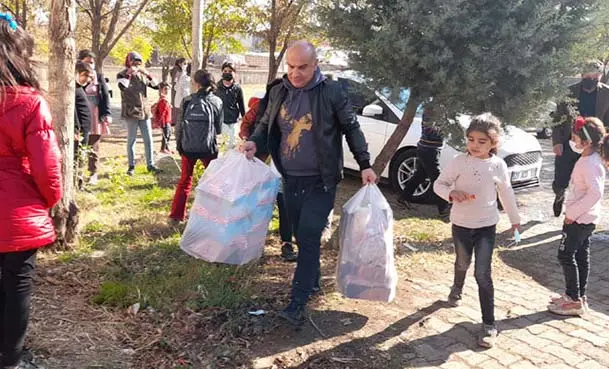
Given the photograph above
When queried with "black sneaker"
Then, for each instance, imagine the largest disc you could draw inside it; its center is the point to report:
(295, 314)
(454, 298)
(287, 252)
(154, 170)
(558, 201)
(130, 171)
(488, 336)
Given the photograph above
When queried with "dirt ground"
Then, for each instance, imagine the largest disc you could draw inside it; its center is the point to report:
(68, 331)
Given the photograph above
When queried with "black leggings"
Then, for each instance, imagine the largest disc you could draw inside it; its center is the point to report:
(16, 275)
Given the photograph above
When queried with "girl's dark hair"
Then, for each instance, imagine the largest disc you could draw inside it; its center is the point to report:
(189, 69)
(163, 85)
(488, 124)
(16, 66)
(82, 67)
(604, 148)
(595, 129)
(204, 79)
(179, 61)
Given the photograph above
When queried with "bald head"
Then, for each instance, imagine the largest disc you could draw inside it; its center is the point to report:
(301, 58)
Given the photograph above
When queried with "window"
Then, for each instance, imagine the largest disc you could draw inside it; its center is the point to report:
(359, 95)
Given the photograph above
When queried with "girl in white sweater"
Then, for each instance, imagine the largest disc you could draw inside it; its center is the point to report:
(471, 182)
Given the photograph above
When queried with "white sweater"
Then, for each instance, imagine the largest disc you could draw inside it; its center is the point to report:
(483, 178)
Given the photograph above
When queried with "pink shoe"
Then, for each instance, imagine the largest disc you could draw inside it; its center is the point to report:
(567, 306)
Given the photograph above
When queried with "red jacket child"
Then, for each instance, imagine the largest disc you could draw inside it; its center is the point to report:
(30, 170)
(161, 113)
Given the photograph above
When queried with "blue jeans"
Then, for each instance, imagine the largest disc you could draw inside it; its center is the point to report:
(308, 203)
(146, 129)
(479, 242)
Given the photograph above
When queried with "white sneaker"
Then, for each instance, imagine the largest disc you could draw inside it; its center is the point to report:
(93, 180)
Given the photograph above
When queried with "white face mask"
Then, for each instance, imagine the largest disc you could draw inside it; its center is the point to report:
(574, 147)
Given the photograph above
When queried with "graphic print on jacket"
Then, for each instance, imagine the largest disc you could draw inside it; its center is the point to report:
(298, 148)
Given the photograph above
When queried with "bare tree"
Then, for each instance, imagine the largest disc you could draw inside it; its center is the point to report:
(284, 19)
(61, 94)
(105, 16)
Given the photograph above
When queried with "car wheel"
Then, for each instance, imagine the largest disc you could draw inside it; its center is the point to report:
(401, 170)
(545, 132)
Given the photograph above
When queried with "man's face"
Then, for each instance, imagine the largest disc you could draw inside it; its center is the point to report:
(89, 60)
(301, 67)
(137, 63)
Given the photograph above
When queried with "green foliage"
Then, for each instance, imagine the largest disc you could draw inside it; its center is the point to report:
(223, 21)
(140, 44)
(471, 56)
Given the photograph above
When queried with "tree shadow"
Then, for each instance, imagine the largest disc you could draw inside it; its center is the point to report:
(407, 342)
(538, 259)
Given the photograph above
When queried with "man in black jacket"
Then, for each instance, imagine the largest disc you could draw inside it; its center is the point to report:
(232, 99)
(302, 129)
(591, 99)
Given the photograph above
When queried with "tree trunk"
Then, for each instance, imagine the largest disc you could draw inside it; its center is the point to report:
(61, 95)
(273, 66)
(24, 15)
(197, 40)
(396, 138)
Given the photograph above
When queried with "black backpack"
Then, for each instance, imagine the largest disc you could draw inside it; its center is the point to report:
(198, 130)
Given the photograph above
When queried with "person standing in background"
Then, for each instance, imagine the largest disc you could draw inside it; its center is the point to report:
(98, 97)
(175, 74)
(232, 99)
(591, 100)
(133, 82)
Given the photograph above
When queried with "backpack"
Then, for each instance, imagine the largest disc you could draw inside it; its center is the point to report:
(198, 129)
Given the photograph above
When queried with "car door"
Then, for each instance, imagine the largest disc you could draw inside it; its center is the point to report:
(374, 128)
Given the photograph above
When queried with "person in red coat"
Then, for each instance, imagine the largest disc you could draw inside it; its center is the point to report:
(161, 116)
(30, 184)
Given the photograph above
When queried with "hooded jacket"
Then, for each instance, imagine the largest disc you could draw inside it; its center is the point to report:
(30, 170)
(332, 117)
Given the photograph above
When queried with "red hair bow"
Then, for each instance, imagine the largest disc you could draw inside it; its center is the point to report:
(580, 122)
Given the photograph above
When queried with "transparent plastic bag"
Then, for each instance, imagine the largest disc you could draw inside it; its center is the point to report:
(233, 206)
(366, 268)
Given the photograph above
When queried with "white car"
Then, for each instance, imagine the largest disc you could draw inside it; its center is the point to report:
(378, 113)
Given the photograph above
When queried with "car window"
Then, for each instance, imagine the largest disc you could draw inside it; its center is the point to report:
(361, 96)
(399, 98)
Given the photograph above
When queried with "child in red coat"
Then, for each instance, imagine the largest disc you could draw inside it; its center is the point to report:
(161, 117)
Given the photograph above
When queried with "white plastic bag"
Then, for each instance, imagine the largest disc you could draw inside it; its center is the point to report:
(233, 206)
(366, 268)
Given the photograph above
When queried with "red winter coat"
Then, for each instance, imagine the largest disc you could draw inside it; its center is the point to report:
(30, 170)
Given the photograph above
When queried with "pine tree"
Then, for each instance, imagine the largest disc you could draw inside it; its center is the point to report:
(470, 56)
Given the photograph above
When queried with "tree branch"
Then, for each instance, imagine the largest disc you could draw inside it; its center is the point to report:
(9, 10)
(86, 10)
(186, 47)
(126, 27)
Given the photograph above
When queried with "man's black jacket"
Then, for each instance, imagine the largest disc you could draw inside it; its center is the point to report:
(332, 116)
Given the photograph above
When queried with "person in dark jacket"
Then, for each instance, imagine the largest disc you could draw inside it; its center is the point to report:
(428, 163)
(232, 99)
(193, 148)
(82, 118)
(134, 82)
(30, 178)
(98, 97)
(302, 128)
(591, 100)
